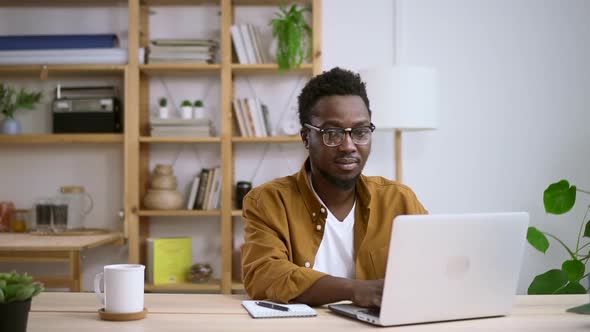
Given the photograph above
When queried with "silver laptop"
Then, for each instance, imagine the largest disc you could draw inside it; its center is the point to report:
(448, 267)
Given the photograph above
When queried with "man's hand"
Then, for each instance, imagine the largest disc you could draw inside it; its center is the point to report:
(367, 293)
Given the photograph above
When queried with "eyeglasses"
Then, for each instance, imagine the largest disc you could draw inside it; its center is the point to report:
(336, 136)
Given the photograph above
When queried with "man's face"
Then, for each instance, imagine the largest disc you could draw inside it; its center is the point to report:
(338, 165)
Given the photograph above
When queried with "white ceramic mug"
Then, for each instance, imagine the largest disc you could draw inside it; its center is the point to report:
(123, 288)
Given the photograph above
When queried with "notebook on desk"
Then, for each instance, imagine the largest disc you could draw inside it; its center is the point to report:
(448, 267)
(294, 310)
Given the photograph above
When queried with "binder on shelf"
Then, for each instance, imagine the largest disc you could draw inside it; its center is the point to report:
(57, 42)
(169, 260)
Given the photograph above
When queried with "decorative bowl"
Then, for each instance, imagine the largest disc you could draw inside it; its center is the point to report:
(163, 182)
(200, 272)
(163, 169)
(157, 199)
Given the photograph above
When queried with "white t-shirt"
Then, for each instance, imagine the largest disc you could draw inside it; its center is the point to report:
(335, 255)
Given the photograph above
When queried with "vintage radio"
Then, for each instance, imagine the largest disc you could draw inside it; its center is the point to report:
(85, 114)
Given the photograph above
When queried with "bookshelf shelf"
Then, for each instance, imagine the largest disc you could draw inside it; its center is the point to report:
(60, 3)
(271, 139)
(61, 138)
(149, 139)
(179, 213)
(49, 71)
(267, 2)
(179, 69)
(240, 69)
(211, 286)
(236, 213)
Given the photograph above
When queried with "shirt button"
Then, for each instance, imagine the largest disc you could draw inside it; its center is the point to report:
(319, 227)
(313, 214)
(322, 210)
(307, 264)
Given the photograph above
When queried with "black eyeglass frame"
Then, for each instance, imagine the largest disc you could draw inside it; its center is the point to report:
(324, 131)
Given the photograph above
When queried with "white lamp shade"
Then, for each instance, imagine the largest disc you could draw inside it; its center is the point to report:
(402, 97)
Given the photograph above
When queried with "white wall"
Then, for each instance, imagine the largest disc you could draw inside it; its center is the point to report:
(513, 110)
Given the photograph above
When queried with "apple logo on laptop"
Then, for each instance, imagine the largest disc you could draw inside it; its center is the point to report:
(458, 266)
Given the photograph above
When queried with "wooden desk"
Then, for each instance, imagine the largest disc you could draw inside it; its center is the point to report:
(17, 247)
(197, 312)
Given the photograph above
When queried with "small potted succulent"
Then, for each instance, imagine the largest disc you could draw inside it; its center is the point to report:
(186, 109)
(163, 112)
(16, 292)
(198, 109)
(10, 102)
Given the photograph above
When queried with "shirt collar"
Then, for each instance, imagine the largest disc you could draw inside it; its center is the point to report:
(315, 207)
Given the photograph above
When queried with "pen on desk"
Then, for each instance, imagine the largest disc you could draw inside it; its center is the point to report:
(272, 306)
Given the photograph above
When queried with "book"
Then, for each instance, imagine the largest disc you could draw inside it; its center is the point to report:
(204, 177)
(238, 42)
(295, 310)
(170, 259)
(248, 44)
(192, 193)
(183, 42)
(238, 115)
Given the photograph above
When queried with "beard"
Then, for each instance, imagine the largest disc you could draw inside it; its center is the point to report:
(344, 184)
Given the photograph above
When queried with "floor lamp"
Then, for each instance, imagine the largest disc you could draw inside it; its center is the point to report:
(402, 98)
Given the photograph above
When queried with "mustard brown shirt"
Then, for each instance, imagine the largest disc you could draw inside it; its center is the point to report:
(284, 225)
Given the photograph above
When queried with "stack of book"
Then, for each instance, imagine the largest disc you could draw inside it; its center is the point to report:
(205, 190)
(183, 51)
(252, 117)
(246, 40)
(61, 49)
(176, 127)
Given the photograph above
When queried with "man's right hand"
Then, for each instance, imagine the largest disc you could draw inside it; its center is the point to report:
(367, 293)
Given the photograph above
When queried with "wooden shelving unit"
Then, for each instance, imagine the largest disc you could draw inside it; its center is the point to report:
(135, 141)
(137, 144)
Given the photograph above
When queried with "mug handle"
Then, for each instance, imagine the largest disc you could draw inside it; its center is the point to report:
(90, 205)
(98, 280)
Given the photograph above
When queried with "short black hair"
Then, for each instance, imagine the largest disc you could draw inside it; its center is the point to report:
(335, 82)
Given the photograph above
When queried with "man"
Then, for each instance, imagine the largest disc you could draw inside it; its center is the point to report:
(322, 235)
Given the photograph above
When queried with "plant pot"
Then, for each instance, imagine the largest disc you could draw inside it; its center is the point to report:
(186, 112)
(199, 112)
(163, 113)
(14, 316)
(11, 126)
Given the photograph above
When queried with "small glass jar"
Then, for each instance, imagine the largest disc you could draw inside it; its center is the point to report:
(43, 207)
(59, 213)
(242, 188)
(20, 221)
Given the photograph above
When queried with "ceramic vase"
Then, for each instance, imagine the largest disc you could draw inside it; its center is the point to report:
(11, 126)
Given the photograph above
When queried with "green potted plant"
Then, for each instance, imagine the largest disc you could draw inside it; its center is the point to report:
(198, 109)
(559, 198)
(16, 292)
(163, 112)
(10, 102)
(293, 36)
(186, 109)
